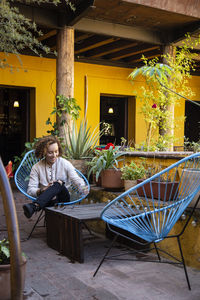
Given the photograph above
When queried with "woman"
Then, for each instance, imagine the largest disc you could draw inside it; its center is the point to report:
(50, 177)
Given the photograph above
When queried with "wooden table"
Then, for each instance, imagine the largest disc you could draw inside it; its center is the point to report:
(64, 228)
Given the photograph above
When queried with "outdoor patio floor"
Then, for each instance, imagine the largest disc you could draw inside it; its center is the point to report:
(50, 275)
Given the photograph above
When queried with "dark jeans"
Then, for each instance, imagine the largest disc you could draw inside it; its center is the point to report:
(58, 190)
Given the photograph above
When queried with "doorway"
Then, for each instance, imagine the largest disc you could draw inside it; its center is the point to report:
(14, 121)
(192, 122)
(114, 119)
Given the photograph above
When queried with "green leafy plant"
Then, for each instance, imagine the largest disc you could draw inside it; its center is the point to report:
(67, 106)
(28, 146)
(159, 94)
(4, 252)
(104, 159)
(80, 142)
(133, 171)
(191, 146)
(18, 32)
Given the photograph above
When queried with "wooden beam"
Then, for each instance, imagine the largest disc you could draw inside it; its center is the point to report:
(96, 45)
(53, 17)
(81, 10)
(179, 34)
(184, 7)
(39, 15)
(148, 57)
(117, 30)
(83, 37)
(47, 35)
(134, 53)
(114, 49)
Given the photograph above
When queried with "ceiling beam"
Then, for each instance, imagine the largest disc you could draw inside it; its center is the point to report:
(147, 56)
(179, 34)
(47, 35)
(95, 45)
(81, 10)
(101, 52)
(184, 7)
(122, 31)
(39, 15)
(83, 37)
(54, 16)
(134, 53)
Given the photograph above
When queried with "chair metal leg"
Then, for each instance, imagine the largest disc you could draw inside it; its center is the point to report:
(40, 217)
(157, 252)
(183, 262)
(104, 257)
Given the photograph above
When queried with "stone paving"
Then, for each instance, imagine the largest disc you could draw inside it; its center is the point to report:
(50, 275)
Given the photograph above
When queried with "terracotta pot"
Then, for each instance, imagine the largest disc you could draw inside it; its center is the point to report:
(171, 189)
(129, 184)
(111, 179)
(5, 290)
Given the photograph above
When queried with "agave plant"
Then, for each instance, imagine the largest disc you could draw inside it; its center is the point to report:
(80, 142)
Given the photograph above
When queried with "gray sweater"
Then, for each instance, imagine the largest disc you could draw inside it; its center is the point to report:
(42, 174)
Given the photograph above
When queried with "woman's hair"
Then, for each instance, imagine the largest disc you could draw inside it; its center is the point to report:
(43, 143)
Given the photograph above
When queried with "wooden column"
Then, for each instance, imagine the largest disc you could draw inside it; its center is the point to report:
(171, 50)
(65, 68)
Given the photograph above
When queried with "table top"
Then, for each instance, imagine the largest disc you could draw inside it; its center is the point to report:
(80, 212)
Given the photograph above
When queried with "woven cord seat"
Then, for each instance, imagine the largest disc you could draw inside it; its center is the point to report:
(22, 179)
(149, 212)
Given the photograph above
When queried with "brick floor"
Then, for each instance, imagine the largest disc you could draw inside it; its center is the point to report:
(50, 275)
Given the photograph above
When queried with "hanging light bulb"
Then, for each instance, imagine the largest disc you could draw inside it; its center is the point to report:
(16, 104)
(110, 110)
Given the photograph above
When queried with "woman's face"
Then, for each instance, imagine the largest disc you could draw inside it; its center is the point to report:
(52, 153)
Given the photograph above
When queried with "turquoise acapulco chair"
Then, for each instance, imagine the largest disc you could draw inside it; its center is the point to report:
(149, 213)
(22, 178)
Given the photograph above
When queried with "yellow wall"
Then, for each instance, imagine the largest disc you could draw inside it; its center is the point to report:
(37, 73)
(40, 73)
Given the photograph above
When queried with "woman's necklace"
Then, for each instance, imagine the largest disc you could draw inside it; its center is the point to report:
(51, 172)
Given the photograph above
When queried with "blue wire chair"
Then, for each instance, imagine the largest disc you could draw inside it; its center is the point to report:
(22, 179)
(147, 212)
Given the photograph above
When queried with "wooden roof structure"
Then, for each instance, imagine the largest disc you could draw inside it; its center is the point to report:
(118, 32)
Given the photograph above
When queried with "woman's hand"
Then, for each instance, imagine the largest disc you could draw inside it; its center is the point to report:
(41, 190)
(84, 190)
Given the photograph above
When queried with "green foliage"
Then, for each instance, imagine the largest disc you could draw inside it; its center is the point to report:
(17, 32)
(191, 146)
(80, 142)
(28, 146)
(104, 159)
(156, 99)
(4, 252)
(133, 171)
(65, 105)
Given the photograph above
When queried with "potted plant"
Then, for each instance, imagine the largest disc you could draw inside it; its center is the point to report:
(105, 163)
(162, 188)
(5, 292)
(131, 173)
(79, 144)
